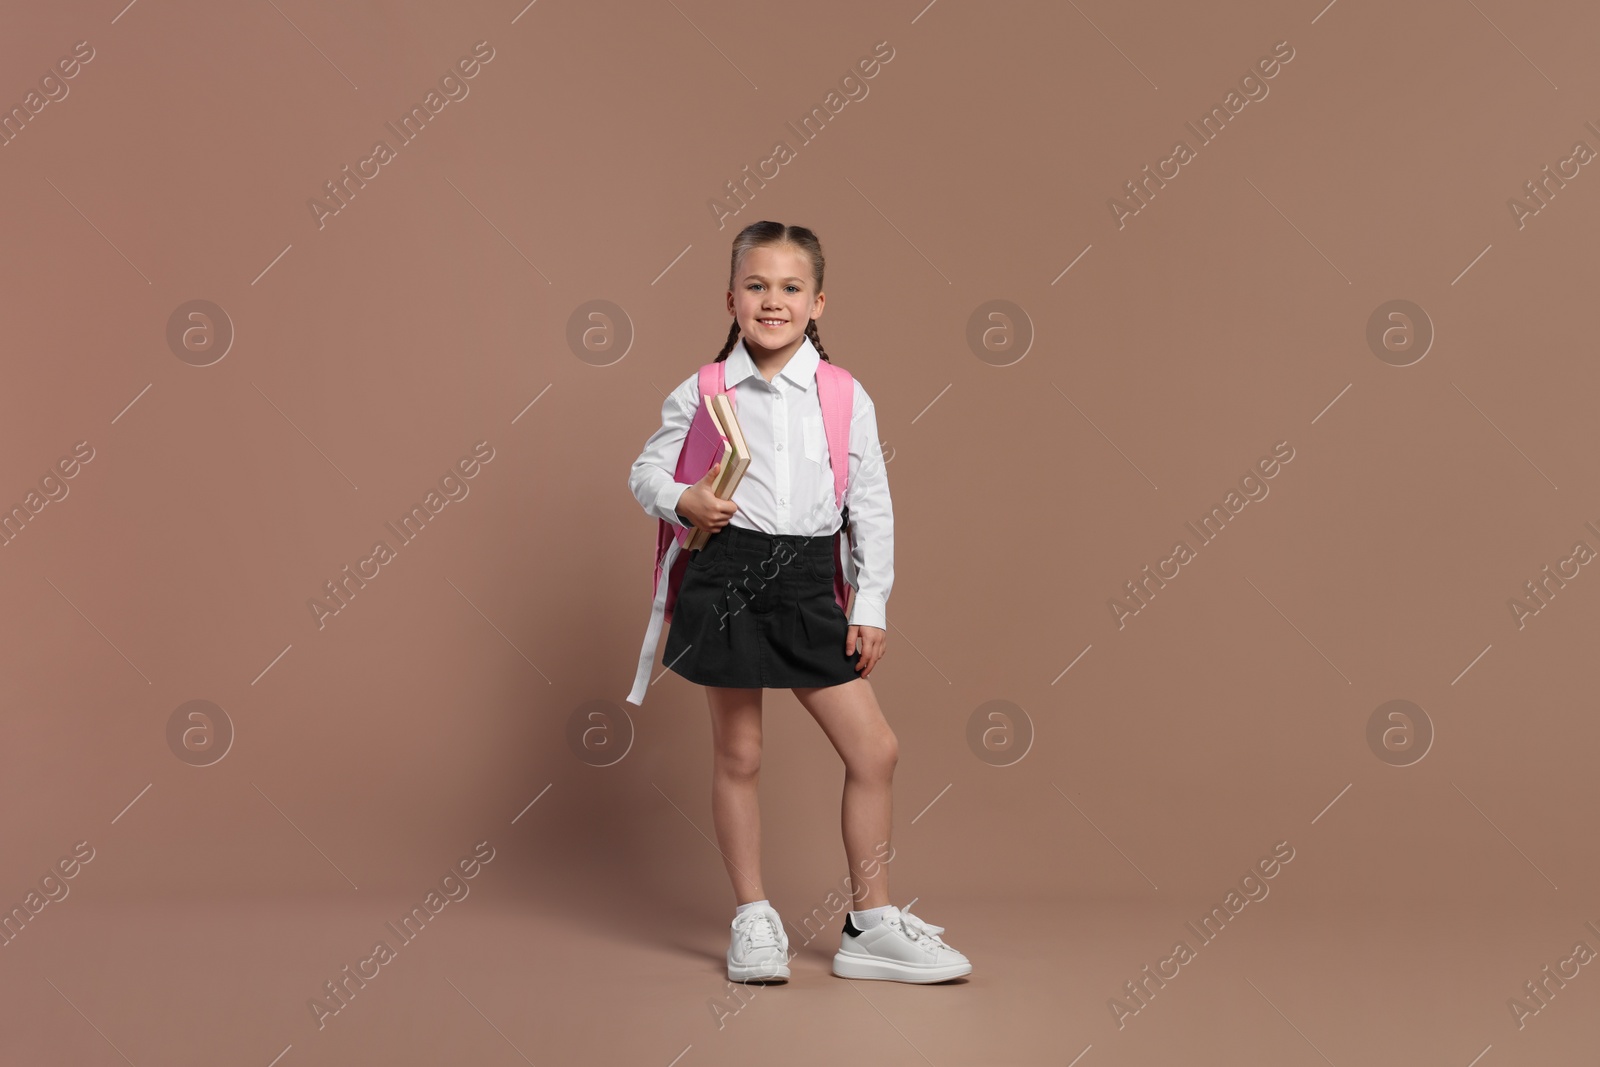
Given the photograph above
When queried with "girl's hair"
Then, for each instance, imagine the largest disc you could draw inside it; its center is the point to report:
(775, 233)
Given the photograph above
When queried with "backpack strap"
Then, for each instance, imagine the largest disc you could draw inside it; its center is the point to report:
(836, 392)
(702, 447)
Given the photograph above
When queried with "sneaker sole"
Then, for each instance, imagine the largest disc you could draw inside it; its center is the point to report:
(848, 966)
(757, 972)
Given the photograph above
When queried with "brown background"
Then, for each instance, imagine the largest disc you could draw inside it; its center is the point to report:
(371, 352)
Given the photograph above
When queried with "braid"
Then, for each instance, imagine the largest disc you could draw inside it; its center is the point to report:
(816, 338)
(727, 346)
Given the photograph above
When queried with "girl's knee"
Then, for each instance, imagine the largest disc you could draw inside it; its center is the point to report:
(876, 758)
(740, 760)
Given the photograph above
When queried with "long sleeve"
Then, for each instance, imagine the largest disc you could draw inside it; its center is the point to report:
(871, 517)
(652, 478)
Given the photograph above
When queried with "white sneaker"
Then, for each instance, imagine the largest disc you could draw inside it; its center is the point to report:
(901, 948)
(759, 947)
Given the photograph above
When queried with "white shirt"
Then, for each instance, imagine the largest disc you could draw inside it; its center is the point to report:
(788, 487)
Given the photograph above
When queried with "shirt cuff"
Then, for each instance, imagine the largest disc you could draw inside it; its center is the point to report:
(667, 504)
(869, 611)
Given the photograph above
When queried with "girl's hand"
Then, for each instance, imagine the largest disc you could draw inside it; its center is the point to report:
(870, 640)
(704, 508)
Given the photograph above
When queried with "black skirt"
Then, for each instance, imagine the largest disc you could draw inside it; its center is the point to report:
(756, 611)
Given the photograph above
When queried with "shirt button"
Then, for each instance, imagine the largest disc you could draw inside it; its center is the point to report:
(780, 446)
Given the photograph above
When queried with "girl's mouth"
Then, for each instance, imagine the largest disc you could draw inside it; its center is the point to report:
(772, 324)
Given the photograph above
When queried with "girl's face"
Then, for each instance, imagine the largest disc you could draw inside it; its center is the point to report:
(772, 300)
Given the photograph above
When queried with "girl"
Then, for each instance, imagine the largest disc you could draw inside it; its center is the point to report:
(756, 608)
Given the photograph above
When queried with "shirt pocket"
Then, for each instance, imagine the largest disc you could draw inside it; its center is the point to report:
(813, 438)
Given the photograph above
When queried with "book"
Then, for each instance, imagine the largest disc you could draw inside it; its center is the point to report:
(735, 458)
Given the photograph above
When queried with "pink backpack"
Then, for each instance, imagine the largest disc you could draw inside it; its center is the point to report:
(703, 446)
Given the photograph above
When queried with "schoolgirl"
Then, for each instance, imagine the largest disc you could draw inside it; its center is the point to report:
(773, 601)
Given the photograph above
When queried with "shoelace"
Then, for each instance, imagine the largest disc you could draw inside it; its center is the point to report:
(923, 932)
(762, 930)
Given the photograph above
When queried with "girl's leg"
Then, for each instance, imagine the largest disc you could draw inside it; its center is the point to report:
(736, 766)
(850, 716)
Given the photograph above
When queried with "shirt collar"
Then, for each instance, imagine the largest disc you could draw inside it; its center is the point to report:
(801, 369)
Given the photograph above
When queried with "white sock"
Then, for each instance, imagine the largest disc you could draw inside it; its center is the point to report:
(742, 908)
(866, 920)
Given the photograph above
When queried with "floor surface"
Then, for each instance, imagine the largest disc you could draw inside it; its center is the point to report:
(1284, 982)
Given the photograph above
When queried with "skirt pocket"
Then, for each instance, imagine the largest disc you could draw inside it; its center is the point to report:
(821, 569)
(706, 558)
